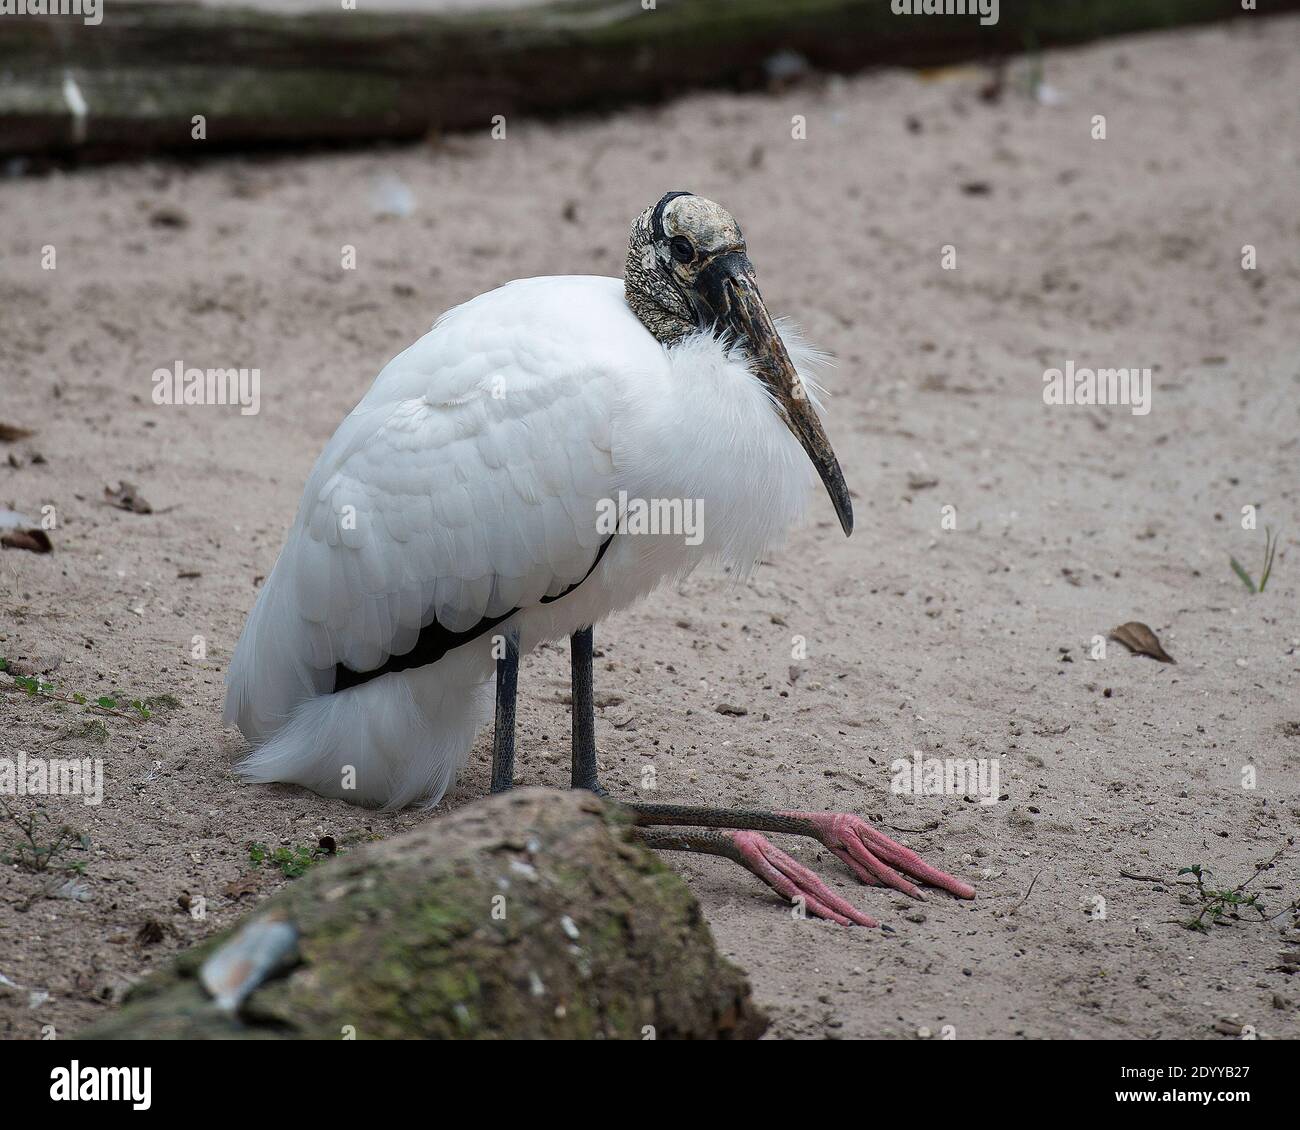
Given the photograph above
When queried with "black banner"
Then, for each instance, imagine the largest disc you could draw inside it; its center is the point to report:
(317, 1079)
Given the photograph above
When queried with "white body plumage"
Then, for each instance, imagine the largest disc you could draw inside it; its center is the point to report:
(468, 482)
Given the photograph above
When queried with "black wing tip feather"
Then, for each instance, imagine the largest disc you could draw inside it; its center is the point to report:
(434, 640)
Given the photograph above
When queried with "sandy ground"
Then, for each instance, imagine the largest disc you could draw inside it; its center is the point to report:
(974, 641)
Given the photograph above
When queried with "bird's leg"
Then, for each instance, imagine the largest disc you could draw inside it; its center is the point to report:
(871, 855)
(503, 739)
(584, 713)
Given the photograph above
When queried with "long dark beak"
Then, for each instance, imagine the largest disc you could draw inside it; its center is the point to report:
(727, 296)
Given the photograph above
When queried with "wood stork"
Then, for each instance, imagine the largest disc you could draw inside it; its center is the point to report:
(454, 521)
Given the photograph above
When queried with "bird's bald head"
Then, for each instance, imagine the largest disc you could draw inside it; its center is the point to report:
(671, 244)
(690, 228)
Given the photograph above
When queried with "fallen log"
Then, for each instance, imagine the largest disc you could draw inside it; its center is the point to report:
(139, 79)
(529, 914)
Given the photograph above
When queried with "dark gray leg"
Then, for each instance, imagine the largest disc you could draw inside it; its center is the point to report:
(503, 740)
(584, 714)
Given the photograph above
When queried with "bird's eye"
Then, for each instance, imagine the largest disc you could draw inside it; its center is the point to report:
(682, 250)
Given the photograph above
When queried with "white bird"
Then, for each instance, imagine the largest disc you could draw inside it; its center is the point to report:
(482, 498)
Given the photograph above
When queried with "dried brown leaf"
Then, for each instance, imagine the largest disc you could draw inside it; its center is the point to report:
(34, 540)
(1141, 640)
(169, 217)
(246, 884)
(33, 667)
(127, 496)
(151, 932)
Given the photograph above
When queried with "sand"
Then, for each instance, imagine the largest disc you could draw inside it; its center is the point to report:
(974, 641)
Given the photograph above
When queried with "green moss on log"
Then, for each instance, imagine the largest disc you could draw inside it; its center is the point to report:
(527, 915)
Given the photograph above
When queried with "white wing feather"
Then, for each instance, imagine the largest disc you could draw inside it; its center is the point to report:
(463, 485)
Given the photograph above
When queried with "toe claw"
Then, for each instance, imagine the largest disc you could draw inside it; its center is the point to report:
(794, 881)
(869, 852)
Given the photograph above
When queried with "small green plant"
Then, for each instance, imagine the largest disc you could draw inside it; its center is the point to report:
(1270, 551)
(36, 687)
(293, 862)
(41, 843)
(1216, 904)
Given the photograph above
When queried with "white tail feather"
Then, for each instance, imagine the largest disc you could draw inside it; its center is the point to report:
(396, 740)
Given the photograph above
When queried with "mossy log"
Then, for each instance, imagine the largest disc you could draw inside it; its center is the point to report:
(136, 80)
(525, 915)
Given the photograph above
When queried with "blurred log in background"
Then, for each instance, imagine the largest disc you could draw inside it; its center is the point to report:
(293, 72)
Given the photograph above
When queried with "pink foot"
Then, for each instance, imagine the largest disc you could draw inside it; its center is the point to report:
(794, 881)
(875, 858)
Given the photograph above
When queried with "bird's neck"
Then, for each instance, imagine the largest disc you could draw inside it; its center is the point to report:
(656, 304)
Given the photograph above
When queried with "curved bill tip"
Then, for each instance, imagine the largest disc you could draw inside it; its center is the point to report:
(828, 469)
(844, 511)
(801, 418)
(726, 293)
